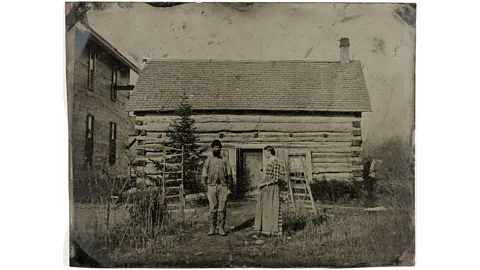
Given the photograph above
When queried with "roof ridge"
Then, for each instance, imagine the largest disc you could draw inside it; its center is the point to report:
(244, 61)
(115, 49)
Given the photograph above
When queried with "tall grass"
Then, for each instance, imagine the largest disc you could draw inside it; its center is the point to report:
(352, 238)
(132, 231)
(118, 223)
(395, 183)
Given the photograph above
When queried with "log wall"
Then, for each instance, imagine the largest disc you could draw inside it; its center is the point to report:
(332, 142)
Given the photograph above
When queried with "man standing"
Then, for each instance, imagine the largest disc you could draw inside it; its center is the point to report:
(268, 215)
(217, 177)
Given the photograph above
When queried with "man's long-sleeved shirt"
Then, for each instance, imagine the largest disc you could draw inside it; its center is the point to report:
(217, 171)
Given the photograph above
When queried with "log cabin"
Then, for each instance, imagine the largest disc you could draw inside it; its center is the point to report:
(98, 87)
(309, 109)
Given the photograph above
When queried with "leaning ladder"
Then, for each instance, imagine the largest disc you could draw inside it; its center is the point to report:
(299, 189)
(172, 184)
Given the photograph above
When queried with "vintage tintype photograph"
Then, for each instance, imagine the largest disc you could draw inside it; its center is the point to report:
(241, 134)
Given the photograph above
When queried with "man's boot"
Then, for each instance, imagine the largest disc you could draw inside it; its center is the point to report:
(221, 229)
(213, 223)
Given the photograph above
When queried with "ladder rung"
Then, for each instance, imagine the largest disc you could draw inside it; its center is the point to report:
(173, 180)
(172, 196)
(304, 201)
(154, 173)
(173, 155)
(299, 186)
(172, 187)
(301, 194)
(155, 177)
(297, 178)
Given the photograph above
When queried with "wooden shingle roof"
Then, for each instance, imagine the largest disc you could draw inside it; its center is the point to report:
(284, 85)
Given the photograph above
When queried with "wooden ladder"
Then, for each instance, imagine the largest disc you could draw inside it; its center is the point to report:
(299, 189)
(172, 176)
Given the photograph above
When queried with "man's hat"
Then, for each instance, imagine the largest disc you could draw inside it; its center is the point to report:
(216, 143)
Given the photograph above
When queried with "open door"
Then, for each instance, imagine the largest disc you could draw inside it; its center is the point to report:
(250, 171)
(232, 159)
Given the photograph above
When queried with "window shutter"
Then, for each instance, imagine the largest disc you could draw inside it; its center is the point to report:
(91, 68)
(89, 138)
(113, 92)
(112, 153)
(93, 126)
(111, 131)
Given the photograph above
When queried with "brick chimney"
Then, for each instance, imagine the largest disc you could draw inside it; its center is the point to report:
(344, 51)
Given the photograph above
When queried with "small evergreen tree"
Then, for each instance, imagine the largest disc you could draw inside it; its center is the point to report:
(182, 132)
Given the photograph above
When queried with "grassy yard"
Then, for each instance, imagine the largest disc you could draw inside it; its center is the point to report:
(335, 237)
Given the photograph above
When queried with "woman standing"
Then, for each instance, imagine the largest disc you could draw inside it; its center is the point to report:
(268, 216)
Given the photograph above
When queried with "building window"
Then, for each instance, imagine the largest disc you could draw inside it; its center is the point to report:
(89, 138)
(112, 149)
(91, 68)
(113, 92)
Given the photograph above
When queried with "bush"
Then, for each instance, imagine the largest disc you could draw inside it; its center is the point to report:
(337, 191)
(147, 211)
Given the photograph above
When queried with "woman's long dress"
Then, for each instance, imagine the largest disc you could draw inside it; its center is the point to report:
(268, 215)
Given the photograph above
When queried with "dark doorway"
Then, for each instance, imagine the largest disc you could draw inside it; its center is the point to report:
(250, 165)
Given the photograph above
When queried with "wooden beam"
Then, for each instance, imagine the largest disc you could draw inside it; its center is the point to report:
(357, 162)
(357, 133)
(256, 127)
(318, 140)
(336, 159)
(357, 173)
(123, 87)
(357, 143)
(336, 168)
(345, 176)
(232, 118)
(132, 143)
(276, 112)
